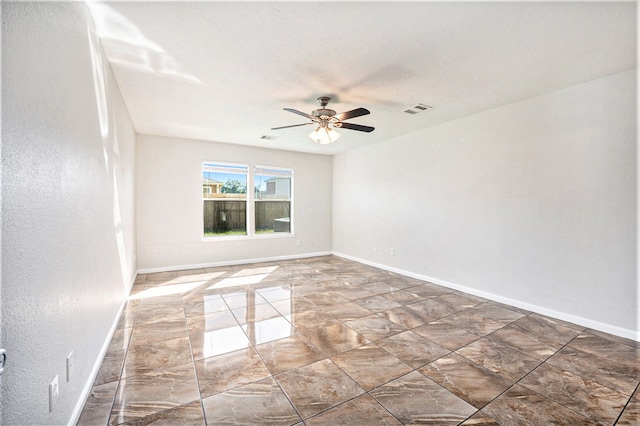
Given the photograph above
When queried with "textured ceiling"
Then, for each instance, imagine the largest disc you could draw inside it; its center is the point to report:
(223, 71)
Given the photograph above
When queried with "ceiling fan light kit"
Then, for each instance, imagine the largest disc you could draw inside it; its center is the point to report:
(327, 119)
(324, 135)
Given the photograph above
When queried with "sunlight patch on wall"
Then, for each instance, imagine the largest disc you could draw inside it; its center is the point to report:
(128, 47)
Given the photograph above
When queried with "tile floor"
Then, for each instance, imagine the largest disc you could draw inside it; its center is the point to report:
(327, 341)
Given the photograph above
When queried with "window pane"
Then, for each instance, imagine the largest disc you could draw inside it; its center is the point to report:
(272, 201)
(224, 189)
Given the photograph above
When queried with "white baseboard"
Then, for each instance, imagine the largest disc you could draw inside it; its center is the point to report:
(231, 262)
(585, 322)
(86, 391)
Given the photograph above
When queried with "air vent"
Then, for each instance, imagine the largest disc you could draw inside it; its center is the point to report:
(268, 138)
(417, 108)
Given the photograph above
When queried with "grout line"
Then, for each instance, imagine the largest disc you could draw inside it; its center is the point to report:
(631, 397)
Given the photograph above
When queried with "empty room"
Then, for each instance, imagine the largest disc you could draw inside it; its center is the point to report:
(319, 213)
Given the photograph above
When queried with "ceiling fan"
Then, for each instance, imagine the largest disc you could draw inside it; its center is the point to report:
(327, 120)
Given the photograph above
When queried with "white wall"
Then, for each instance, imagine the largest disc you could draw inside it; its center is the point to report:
(531, 203)
(169, 198)
(68, 213)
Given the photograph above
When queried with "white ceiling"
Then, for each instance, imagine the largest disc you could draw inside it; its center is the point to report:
(223, 71)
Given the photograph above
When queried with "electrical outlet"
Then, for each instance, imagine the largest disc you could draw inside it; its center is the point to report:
(69, 366)
(375, 247)
(54, 390)
(298, 243)
(154, 253)
(392, 252)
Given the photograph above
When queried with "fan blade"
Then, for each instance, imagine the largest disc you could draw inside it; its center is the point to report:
(293, 125)
(357, 127)
(352, 114)
(304, 114)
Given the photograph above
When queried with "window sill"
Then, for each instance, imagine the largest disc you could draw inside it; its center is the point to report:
(248, 237)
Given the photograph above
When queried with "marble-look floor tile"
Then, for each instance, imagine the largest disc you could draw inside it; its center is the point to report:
(120, 339)
(327, 298)
(524, 312)
(97, 409)
(607, 347)
(255, 313)
(533, 345)
(413, 349)
(415, 399)
(335, 339)
(317, 387)
(217, 342)
(498, 358)
(242, 299)
(311, 320)
(446, 335)
(365, 409)
(407, 318)
(548, 328)
(231, 370)
(268, 330)
(146, 334)
(402, 297)
(462, 300)
(480, 419)
(608, 371)
(291, 316)
(111, 367)
(499, 314)
(346, 311)
(371, 366)
(276, 293)
(295, 305)
(144, 395)
(288, 353)
(211, 322)
(609, 337)
(631, 414)
(428, 290)
(183, 415)
(380, 287)
(148, 314)
(162, 297)
(353, 293)
(259, 403)
(374, 327)
(203, 304)
(471, 382)
(577, 393)
(521, 406)
(126, 321)
(160, 277)
(474, 323)
(434, 308)
(156, 356)
(377, 303)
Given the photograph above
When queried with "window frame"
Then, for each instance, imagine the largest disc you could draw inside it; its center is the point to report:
(250, 201)
(286, 172)
(231, 165)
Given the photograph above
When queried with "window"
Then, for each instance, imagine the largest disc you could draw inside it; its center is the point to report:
(224, 193)
(230, 210)
(272, 200)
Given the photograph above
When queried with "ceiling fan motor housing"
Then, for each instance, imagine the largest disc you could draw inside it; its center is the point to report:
(323, 113)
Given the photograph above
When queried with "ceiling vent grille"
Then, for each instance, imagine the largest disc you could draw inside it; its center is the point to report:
(417, 108)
